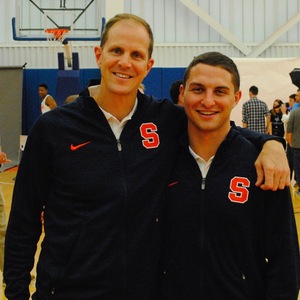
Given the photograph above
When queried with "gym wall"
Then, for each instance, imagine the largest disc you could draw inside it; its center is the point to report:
(10, 112)
(157, 83)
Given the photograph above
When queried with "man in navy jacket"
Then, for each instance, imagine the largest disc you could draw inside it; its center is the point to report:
(225, 238)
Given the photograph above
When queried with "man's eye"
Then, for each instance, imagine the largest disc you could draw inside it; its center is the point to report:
(117, 50)
(220, 92)
(197, 90)
(136, 55)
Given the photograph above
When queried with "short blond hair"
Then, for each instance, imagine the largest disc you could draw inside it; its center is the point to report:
(120, 17)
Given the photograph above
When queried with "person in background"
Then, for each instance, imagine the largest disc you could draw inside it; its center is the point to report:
(47, 101)
(289, 153)
(3, 159)
(71, 98)
(274, 120)
(99, 168)
(297, 99)
(285, 109)
(292, 101)
(255, 112)
(175, 92)
(225, 238)
(93, 91)
(293, 139)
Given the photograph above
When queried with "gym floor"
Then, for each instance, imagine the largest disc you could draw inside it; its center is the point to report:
(7, 183)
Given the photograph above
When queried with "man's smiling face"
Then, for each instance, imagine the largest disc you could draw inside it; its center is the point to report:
(209, 97)
(124, 59)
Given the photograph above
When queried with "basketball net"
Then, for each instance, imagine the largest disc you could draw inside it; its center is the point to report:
(56, 34)
(56, 37)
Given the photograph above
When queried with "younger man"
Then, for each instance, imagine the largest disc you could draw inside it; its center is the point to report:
(225, 238)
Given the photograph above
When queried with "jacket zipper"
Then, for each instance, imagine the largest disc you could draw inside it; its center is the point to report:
(202, 228)
(203, 183)
(119, 146)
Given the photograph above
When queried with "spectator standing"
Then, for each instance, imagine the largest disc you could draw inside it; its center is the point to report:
(255, 112)
(276, 125)
(47, 101)
(175, 92)
(293, 139)
(292, 101)
(289, 153)
(297, 99)
(285, 109)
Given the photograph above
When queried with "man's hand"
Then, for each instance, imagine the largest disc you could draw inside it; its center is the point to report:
(272, 167)
(3, 158)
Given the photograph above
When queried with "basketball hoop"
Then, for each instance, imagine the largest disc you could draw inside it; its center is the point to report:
(56, 36)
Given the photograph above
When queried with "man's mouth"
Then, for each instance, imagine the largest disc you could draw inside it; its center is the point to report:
(122, 75)
(207, 113)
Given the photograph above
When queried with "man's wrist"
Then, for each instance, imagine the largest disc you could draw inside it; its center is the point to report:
(277, 139)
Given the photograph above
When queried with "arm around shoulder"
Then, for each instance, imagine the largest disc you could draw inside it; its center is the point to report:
(272, 167)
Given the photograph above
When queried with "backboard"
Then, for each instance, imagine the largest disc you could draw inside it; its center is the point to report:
(83, 18)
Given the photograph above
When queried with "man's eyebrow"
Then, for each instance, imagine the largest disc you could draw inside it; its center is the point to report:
(223, 87)
(196, 83)
(202, 85)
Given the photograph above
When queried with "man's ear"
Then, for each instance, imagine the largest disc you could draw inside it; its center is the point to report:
(150, 64)
(237, 97)
(98, 55)
(181, 93)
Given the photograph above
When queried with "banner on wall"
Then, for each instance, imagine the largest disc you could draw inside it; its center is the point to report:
(10, 112)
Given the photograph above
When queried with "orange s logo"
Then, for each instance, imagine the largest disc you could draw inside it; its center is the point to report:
(149, 133)
(239, 192)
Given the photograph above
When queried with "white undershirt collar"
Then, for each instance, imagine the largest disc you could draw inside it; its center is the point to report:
(115, 124)
(203, 165)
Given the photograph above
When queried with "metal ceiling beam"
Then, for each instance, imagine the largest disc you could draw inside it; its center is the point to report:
(215, 25)
(275, 36)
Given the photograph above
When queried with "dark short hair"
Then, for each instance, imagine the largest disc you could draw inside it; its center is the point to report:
(44, 85)
(253, 89)
(174, 90)
(125, 16)
(215, 59)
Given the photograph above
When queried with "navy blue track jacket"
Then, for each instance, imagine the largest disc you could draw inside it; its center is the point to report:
(225, 238)
(103, 203)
